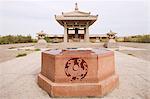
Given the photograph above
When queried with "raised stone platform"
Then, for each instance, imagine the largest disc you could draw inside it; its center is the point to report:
(19, 81)
(78, 72)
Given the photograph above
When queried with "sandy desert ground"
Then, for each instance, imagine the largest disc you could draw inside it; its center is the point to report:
(19, 75)
(144, 53)
(10, 51)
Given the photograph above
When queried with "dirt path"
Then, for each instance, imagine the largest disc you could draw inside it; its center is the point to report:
(142, 54)
(135, 45)
(7, 52)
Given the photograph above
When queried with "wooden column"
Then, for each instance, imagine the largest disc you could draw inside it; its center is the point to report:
(87, 33)
(65, 34)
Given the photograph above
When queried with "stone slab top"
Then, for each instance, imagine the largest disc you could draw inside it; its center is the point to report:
(97, 51)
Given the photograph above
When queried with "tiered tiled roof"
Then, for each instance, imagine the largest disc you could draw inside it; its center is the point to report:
(76, 15)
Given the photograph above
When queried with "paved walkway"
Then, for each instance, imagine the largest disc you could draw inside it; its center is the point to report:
(18, 78)
(134, 76)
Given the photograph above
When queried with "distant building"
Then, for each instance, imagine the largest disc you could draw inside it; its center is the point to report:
(76, 25)
(76, 28)
(57, 38)
(41, 35)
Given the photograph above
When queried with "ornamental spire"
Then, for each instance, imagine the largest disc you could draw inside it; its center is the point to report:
(76, 6)
(110, 31)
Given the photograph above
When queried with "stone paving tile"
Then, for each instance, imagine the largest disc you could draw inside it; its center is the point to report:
(18, 78)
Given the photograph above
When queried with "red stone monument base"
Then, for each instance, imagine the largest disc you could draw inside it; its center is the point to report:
(78, 72)
(78, 89)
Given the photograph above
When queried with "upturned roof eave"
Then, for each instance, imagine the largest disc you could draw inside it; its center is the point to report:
(59, 19)
(90, 17)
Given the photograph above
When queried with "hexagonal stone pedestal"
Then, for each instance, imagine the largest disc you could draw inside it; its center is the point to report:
(78, 72)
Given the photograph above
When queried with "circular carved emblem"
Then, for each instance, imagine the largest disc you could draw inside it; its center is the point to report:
(76, 69)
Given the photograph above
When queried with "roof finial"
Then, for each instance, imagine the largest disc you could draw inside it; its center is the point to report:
(42, 31)
(76, 6)
(110, 31)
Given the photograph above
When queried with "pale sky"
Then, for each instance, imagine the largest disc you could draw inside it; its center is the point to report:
(126, 17)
